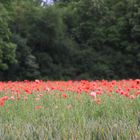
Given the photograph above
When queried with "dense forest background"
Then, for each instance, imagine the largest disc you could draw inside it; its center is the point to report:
(69, 39)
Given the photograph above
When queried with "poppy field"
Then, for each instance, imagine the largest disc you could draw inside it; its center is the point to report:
(70, 110)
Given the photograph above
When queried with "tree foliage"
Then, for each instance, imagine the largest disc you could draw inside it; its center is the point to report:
(71, 39)
(7, 48)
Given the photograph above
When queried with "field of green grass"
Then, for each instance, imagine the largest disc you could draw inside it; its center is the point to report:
(70, 110)
(75, 117)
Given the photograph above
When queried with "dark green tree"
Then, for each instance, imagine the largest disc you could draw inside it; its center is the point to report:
(7, 48)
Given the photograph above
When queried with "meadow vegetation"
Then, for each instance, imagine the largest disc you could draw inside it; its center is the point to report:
(74, 110)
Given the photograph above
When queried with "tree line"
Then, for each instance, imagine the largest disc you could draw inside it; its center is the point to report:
(69, 39)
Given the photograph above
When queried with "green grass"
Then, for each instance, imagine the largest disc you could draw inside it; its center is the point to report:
(77, 117)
